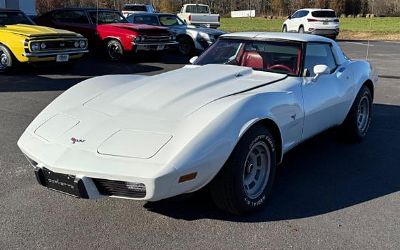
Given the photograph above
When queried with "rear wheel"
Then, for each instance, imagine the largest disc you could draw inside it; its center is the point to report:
(185, 46)
(6, 59)
(301, 29)
(114, 50)
(357, 122)
(284, 29)
(244, 183)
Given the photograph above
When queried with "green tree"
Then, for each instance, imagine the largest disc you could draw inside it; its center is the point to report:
(339, 6)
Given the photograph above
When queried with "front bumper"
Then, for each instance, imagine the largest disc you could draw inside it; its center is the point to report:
(55, 53)
(51, 56)
(153, 46)
(91, 169)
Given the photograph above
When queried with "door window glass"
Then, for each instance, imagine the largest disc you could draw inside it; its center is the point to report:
(317, 54)
(70, 17)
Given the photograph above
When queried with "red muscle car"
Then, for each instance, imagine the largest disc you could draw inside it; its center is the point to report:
(108, 30)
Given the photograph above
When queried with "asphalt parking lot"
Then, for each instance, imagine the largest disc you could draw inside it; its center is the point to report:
(328, 195)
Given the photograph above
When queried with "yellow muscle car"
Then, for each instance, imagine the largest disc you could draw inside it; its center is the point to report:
(21, 41)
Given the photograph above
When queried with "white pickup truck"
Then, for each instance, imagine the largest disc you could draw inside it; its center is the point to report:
(134, 8)
(199, 15)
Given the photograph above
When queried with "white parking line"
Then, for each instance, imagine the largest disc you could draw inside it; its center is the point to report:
(364, 44)
(395, 42)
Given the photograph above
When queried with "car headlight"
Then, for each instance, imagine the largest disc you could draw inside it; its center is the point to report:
(212, 38)
(138, 39)
(43, 46)
(76, 44)
(82, 44)
(35, 46)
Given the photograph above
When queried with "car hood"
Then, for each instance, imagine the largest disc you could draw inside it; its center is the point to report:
(134, 27)
(205, 30)
(177, 94)
(209, 31)
(35, 30)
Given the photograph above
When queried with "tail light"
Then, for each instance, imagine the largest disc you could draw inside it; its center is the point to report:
(190, 18)
(219, 18)
(310, 20)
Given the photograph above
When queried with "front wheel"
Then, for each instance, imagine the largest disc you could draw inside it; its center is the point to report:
(244, 183)
(186, 46)
(114, 50)
(284, 29)
(6, 59)
(359, 118)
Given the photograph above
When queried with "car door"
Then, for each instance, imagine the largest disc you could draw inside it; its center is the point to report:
(301, 20)
(291, 22)
(325, 97)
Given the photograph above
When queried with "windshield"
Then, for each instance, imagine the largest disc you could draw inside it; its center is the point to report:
(106, 17)
(323, 13)
(270, 56)
(145, 19)
(201, 9)
(15, 17)
(171, 20)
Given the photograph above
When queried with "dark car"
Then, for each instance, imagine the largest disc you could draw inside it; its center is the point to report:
(108, 29)
(190, 37)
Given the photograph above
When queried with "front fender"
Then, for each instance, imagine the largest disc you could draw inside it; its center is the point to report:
(208, 137)
(15, 43)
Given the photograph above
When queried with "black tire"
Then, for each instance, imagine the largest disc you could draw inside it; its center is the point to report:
(301, 29)
(114, 50)
(185, 46)
(284, 29)
(358, 120)
(228, 187)
(6, 59)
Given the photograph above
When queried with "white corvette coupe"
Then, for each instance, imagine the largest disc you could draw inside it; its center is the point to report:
(226, 121)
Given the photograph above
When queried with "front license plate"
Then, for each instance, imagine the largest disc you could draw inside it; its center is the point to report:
(160, 47)
(325, 23)
(60, 182)
(62, 58)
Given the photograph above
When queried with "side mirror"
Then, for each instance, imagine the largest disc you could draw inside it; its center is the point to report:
(193, 59)
(289, 17)
(320, 70)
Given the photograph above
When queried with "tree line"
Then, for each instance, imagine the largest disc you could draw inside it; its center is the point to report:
(262, 7)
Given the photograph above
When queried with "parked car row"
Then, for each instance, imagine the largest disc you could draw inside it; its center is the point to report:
(64, 35)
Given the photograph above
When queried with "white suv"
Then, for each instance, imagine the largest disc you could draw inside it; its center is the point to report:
(313, 21)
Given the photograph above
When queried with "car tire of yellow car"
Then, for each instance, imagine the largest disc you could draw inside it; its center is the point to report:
(6, 58)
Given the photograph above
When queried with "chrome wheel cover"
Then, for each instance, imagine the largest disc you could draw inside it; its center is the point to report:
(114, 51)
(256, 170)
(363, 114)
(3, 60)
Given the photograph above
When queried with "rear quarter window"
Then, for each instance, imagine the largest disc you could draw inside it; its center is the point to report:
(135, 8)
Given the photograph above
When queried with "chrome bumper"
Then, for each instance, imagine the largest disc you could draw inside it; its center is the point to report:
(55, 53)
(155, 44)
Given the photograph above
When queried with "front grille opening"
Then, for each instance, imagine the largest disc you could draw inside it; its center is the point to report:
(120, 188)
